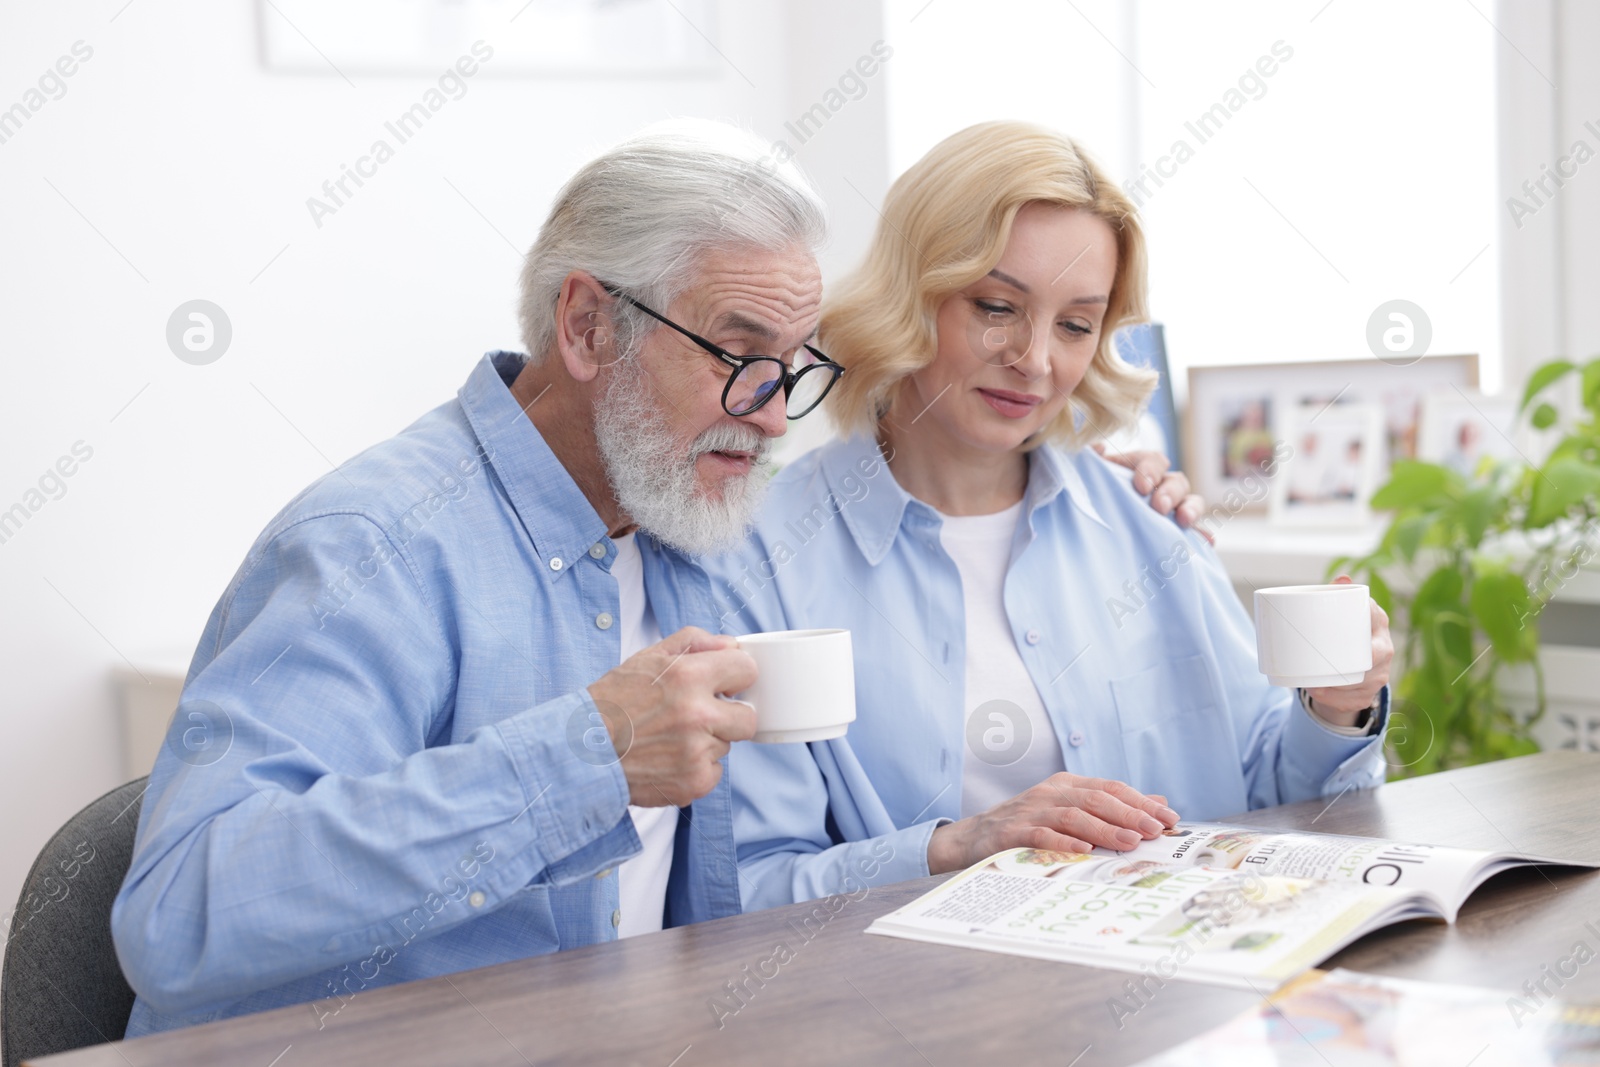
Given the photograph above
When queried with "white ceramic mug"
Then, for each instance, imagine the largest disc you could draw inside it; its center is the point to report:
(1313, 635)
(806, 688)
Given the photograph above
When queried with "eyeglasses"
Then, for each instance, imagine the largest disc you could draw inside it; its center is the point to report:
(756, 379)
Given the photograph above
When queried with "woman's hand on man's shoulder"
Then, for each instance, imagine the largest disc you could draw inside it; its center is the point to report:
(1168, 490)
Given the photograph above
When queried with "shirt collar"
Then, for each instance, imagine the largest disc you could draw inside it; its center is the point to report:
(874, 519)
(558, 517)
(1051, 471)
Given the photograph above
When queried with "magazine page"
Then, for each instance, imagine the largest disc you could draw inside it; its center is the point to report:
(1362, 1020)
(1237, 928)
(1447, 875)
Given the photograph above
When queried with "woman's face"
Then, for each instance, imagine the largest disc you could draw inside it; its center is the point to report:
(1013, 345)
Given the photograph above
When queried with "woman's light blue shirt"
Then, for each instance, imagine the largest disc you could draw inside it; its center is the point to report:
(1140, 650)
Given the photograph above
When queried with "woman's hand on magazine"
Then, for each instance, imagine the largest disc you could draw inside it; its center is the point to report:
(1063, 813)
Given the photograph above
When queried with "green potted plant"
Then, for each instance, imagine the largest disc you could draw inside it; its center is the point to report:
(1483, 555)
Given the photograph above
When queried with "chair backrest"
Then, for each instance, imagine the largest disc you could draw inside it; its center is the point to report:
(62, 987)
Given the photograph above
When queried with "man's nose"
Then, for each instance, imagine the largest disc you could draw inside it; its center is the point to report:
(772, 418)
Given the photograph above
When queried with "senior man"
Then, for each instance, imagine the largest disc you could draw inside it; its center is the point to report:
(405, 746)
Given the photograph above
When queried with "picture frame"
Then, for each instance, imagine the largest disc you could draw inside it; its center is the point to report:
(1144, 344)
(1331, 467)
(628, 39)
(1460, 429)
(1234, 413)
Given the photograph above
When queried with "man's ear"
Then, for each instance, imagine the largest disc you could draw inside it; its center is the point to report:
(585, 340)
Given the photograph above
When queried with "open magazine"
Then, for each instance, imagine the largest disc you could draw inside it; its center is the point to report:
(1445, 877)
(1226, 904)
(1364, 1020)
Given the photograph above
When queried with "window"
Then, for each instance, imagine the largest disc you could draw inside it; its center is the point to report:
(1297, 164)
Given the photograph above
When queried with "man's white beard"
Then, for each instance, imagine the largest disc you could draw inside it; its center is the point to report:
(656, 486)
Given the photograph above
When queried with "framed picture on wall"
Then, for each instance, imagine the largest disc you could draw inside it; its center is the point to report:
(455, 39)
(1236, 415)
(1461, 429)
(1330, 469)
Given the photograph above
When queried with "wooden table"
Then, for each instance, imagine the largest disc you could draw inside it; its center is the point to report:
(847, 998)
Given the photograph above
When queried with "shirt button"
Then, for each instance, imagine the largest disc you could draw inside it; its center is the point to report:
(603, 873)
(1075, 738)
(477, 899)
(1032, 636)
(555, 563)
(616, 918)
(603, 620)
(597, 550)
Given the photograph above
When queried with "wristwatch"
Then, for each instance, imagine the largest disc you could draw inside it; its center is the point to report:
(1365, 720)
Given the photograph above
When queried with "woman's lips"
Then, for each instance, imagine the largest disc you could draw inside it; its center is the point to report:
(1011, 405)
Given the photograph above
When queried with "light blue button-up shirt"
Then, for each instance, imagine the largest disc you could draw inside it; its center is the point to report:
(386, 765)
(1140, 651)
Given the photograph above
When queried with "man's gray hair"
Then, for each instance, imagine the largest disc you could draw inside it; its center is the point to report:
(639, 217)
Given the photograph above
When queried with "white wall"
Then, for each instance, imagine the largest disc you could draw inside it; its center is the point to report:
(1039, 61)
(194, 165)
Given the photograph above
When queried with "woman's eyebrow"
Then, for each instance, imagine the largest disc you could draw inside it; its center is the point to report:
(1009, 280)
(1015, 283)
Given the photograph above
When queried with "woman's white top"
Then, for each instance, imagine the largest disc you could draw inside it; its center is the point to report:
(1010, 744)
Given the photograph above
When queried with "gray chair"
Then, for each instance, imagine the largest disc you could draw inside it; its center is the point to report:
(62, 987)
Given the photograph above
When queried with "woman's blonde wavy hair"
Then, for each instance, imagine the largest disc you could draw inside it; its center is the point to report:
(945, 224)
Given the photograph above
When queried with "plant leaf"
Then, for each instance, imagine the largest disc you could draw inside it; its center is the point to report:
(1563, 483)
(1591, 385)
(1452, 635)
(1478, 510)
(1408, 535)
(1544, 417)
(1412, 482)
(1381, 592)
(1439, 591)
(1416, 730)
(1543, 376)
(1521, 746)
(1501, 605)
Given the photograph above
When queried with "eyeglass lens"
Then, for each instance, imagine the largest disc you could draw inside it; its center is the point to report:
(755, 381)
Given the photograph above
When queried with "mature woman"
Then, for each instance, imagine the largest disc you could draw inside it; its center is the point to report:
(1041, 659)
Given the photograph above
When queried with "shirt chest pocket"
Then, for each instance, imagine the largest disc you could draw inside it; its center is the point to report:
(1177, 738)
(1164, 692)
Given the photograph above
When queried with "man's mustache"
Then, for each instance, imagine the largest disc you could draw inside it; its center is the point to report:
(731, 437)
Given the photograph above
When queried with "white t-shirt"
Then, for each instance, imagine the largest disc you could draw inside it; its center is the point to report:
(642, 880)
(1010, 743)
